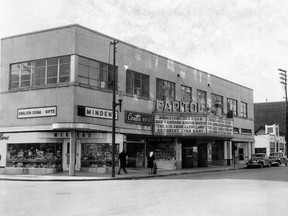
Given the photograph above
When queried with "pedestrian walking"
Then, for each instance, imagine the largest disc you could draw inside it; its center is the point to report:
(151, 159)
(122, 158)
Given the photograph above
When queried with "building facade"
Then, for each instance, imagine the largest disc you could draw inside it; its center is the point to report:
(270, 113)
(56, 106)
(268, 140)
(270, 122)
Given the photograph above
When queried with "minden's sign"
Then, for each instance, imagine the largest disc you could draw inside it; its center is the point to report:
(36, 112)
(96, 112)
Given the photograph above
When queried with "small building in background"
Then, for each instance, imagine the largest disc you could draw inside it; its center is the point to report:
(268, 140)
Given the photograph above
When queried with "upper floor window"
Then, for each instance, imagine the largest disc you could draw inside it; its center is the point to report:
(186, 93)
(243, 109)
(137, 83)
(95, 73)
(201, 100)
(165, 90)
(217, 102)
(40, 72)
(232, 106)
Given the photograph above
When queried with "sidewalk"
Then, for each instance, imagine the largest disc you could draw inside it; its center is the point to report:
(133, 173)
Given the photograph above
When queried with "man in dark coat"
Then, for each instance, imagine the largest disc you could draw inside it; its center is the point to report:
(122, 158)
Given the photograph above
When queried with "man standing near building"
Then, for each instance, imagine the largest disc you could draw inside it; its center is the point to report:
(122, 158)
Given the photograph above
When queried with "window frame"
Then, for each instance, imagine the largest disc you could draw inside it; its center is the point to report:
(234, 105)
(214, 99)
(162, 95)
(243, 109)
(104, 76)
(144, 82)
(200, 100)
(184, 94)
(20, 73)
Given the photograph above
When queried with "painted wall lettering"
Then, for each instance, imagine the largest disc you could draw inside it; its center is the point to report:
(3, 137)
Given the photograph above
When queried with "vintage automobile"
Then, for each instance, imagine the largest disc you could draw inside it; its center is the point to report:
(259, 160)
(278, 158)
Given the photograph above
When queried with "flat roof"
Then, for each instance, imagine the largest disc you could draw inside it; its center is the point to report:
(123, 42)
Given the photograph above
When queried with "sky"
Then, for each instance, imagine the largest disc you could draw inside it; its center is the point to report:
(243, 41)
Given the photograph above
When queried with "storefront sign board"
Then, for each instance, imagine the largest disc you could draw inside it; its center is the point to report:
(96, 112)
(37, 112)
(138, 118)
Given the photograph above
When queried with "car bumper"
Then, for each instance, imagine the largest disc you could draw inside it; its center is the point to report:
(253, 164)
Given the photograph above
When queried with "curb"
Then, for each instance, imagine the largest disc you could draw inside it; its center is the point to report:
(67, 179)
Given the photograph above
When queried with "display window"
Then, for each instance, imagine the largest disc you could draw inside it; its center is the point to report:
(163, 151)
(36, 155)
(98, 155)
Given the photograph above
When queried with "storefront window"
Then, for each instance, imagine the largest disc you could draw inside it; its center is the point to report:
(164, 151)
(98, 155)
(36, 155)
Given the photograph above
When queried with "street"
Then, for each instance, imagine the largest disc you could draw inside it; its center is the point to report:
(239, 192)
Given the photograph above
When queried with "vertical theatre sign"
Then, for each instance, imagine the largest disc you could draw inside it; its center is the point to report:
(181, 119)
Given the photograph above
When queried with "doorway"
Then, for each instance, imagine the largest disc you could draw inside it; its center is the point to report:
(66, 155)
(190, 157)
(203, 155)
(135, 153)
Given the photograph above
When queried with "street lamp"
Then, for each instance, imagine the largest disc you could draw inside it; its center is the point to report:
(114, 105)
(283, 77)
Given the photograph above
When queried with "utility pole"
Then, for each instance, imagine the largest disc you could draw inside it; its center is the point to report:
(283, 78)
(114, 105)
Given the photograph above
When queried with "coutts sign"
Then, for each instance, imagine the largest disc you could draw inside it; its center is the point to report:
(138, 118)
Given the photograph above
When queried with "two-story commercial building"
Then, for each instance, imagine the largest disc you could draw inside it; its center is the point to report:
(56, 101)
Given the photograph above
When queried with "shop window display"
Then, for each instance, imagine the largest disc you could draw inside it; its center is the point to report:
(98, 155)
(163, 151)
(36, 155)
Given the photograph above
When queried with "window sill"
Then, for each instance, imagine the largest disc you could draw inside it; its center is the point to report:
(59, 85)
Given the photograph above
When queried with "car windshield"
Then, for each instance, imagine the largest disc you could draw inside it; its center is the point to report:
(275, 155)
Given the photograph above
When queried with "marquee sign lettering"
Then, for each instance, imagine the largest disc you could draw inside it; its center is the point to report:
(173, 125)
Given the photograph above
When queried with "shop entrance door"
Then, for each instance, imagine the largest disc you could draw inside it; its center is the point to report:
(66, 155)
(135, 153)
(202, 155)
(190, 157)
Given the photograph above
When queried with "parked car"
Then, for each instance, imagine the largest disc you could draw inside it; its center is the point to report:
(259, 160)
(278, 158)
